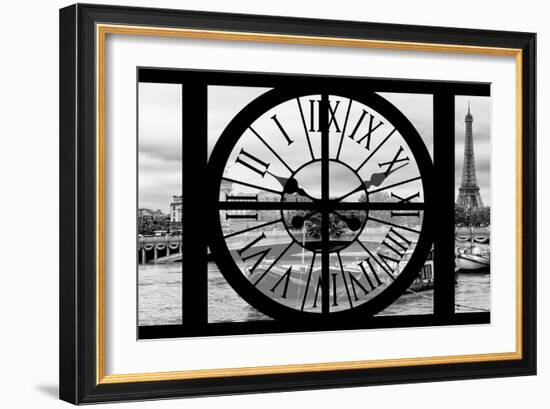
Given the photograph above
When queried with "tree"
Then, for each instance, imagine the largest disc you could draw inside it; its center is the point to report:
(478, 216)
(460, 216)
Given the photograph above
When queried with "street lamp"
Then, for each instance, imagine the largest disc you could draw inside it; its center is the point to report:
(304, 228)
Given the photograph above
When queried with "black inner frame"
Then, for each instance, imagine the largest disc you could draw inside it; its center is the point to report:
(194, 287)
(223, 148)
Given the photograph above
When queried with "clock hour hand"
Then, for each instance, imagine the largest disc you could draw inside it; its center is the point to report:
(353, 223)
(298, 221)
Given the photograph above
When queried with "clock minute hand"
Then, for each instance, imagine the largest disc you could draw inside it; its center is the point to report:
(376, 179)
(353, 222)
(290, 185)
(298, 221)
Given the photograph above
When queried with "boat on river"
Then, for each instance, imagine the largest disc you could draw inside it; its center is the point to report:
(473, 260)
(473, 252)
(425, 279)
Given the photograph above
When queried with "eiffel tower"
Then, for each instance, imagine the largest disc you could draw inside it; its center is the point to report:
(468, 193)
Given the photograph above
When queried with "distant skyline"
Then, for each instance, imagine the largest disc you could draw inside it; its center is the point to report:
(225, 102)
(160, 133)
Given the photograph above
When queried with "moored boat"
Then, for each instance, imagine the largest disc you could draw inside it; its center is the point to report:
(473, 253)
(469, 262)
(425, 279)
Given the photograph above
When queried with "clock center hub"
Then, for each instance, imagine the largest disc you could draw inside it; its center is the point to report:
(306, 226)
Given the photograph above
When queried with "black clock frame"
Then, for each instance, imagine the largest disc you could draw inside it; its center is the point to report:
(194, 289)
(233, 133)
(80, 377)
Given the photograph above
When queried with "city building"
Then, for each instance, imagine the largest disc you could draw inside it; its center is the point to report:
(176, 209)
(151, 215)
(150, 220)
(226, 189)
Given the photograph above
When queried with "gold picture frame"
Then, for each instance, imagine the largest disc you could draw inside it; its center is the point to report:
(105, 22)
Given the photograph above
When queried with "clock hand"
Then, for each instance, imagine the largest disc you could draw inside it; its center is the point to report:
(376, 179)
(298, 221)
(282, 180)
(290, 185)
(353, 223)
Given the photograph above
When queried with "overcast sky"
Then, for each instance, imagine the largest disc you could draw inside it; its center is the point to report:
(225, 102)
(160, 138)
(160, 144)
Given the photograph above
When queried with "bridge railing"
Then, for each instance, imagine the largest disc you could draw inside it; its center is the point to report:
(465, 230)
(157, 240)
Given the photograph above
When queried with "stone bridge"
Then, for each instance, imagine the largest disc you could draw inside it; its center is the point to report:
(156, 248)
(167, 249)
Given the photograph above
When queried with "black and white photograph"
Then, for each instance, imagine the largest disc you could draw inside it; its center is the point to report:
(473, 203)
(320, 205)
(275, 204)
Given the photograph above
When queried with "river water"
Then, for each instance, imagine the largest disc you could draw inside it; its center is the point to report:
(159, 297)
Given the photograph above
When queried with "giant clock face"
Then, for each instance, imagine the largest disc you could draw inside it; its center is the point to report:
(323, 204)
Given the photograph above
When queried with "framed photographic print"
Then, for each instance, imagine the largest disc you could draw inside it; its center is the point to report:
(256, 203)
